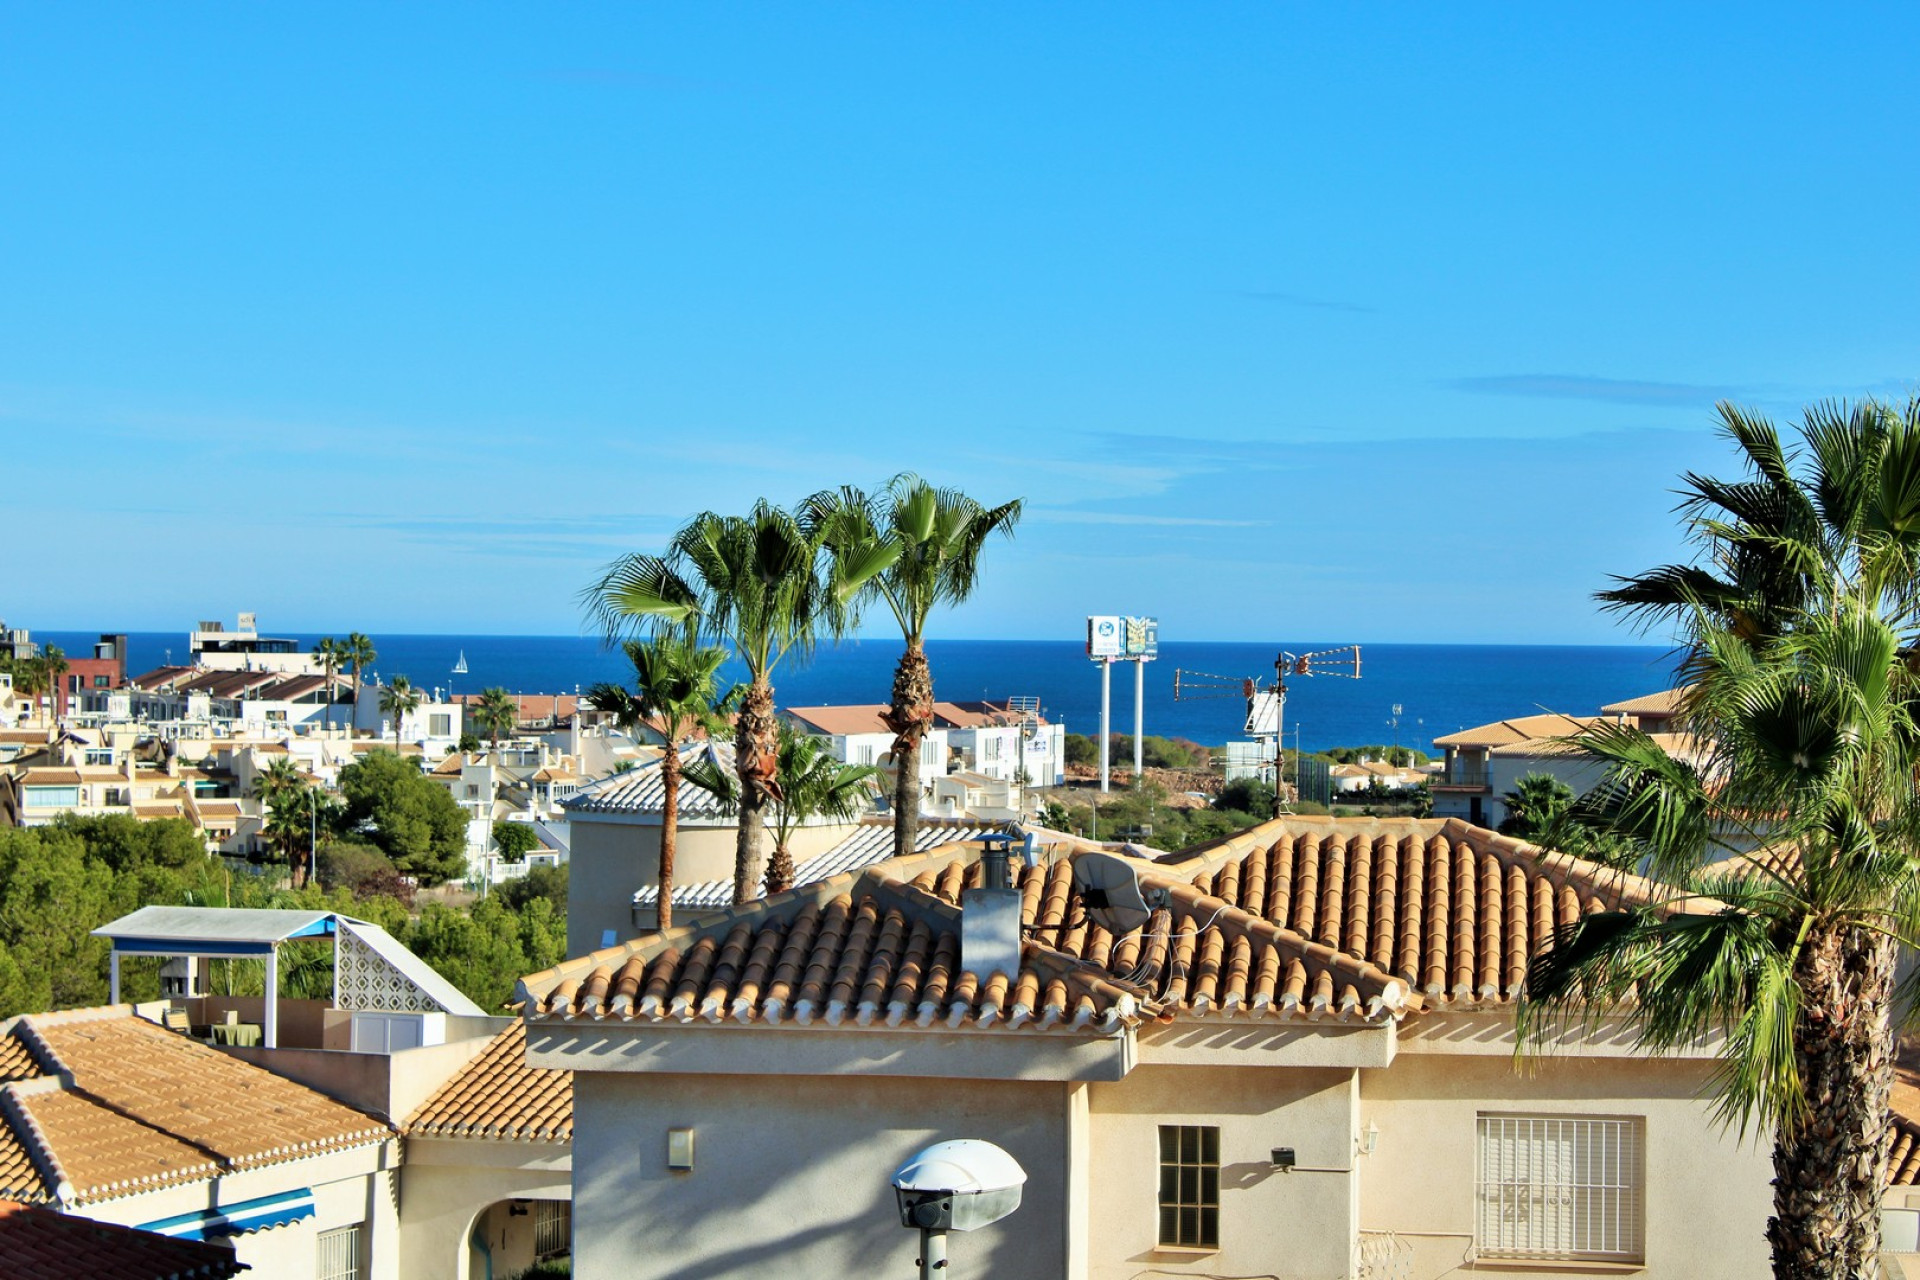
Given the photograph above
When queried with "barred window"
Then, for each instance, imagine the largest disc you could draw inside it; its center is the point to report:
(1562, 1187)
(1190, 1186)
(340, 1253)
(552, 1227)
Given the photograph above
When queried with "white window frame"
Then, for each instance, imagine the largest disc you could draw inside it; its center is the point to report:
(1560, 1187)
(341, 1254)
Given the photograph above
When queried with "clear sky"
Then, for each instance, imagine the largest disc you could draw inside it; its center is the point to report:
(1382, 322)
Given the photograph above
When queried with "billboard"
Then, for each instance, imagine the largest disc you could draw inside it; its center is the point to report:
(1103, 636)
(1127, 639)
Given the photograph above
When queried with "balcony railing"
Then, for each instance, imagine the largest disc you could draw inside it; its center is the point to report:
(1459, 777)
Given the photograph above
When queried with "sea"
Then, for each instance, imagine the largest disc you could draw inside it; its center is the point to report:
(1407, 694)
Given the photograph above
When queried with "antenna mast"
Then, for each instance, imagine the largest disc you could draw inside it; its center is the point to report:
(1266, 703)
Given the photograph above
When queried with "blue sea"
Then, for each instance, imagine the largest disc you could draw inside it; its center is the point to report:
(1438, 688)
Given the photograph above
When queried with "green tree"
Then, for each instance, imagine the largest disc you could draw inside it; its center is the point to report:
(1799, 617)
(755, 583)
(283, 789)
(414, 820)
(496, 712)
(1247, 795)
(1080, 749)
(915, 548)
(812, 784)
(676, 687)
(539, 882)
(40, 675)
(399, 700)
(514, 840)
(1534, 805)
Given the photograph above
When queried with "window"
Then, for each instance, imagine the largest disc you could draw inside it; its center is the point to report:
(102, 682)
(440, 726)
(51, 797)
(100, 756)
(1562, 1187)
(1190, 1186)
(473, 790)
(862, 755)
(340, 1252)
(552, 1228)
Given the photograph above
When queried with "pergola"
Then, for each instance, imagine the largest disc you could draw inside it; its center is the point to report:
(384, 974)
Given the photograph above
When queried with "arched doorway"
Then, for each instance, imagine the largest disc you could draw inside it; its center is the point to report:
(525, 1238)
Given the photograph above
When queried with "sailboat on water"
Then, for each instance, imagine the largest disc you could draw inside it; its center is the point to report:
(459, 669)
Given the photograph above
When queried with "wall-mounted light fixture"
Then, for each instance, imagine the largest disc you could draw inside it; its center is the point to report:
(1284, 1159)
(1369, 1139)
(680, 1149)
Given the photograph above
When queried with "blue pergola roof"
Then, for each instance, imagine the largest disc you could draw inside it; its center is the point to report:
(213, 931)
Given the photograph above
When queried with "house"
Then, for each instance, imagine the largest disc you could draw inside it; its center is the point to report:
(1654, 712)
(1006, 740)
(1302, 1066)
(105, 1115)
(614, 843)
(433, 728)
(858, 734)
(966, 794)
(243, 648)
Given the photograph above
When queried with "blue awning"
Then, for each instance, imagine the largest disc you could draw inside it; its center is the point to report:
(234, 1219)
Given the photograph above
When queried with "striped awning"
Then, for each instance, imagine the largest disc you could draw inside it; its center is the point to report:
(236, 1219)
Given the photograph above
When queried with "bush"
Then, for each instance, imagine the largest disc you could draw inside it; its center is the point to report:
(515, 840)
(363, 871)
(539, 882)
(1247, 795)
(1081, 749)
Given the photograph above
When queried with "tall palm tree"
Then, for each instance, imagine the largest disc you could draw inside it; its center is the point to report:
(755, 583)
(926, 543)
(496, 712)
(812, 785)
(282, 789)
(676, 687)
(1799, 621)
(359, 654)
(398, 700)
(333, 655)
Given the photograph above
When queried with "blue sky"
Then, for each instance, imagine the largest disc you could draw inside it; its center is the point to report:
(1391, 323)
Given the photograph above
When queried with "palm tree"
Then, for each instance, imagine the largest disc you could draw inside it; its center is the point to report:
(812, 785)
(282, 789)
(41, 675)
(755, 583)
(916, 547)
(398, 700)
(675, 681)
(333, 655)
(358, 654)
(496, 712)
(1802, 696)
(1533, 806)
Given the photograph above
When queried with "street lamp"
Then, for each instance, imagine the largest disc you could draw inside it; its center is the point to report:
(313, 833)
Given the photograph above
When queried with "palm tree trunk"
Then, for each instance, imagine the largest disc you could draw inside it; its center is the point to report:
(669, 831)
(909, 718)
(1829, 1173)
(779, 868)
(756, 761)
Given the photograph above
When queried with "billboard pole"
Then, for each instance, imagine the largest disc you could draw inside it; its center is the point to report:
(1139, 714)
(1106, 717)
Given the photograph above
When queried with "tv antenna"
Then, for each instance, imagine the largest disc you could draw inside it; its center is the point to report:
(1267, 703)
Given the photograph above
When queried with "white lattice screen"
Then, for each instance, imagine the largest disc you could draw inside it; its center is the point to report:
(364, 980)
(1562, 1187)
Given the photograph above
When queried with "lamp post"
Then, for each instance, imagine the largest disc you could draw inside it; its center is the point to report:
(313, 833)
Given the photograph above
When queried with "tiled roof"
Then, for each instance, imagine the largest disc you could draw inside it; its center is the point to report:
(639, 790)
(977, 715)
(121, 1105)
(1503, 733)
(1664, 703)
(871, 842)
(49, 1245)
(859, 718)
(1298, 917)
(497, 1095)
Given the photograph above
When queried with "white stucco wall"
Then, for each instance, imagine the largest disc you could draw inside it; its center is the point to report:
(448, 1183)
(790, 1175)
(1288, 1225)
(1708, 1198)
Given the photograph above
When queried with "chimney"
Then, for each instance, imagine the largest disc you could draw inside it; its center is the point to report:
(990, 915)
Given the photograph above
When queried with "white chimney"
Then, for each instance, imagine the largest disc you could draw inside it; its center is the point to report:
(990, 916)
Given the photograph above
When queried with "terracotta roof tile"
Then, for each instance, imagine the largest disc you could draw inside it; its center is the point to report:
(20, 1177)
(856, 718)
(55, 1246)
(147, 1107)
(497, 1095)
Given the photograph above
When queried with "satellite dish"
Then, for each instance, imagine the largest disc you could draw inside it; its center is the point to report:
(1109, 889)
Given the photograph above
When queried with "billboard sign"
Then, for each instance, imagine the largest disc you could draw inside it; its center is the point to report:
(1127, 639)
(1103, 636)
(1142, 639)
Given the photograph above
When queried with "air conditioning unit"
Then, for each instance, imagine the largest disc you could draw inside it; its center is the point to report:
(379, 1031)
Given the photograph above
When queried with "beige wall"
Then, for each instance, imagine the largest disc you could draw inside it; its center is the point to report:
(607, 861)
(447, 1189)
(1285, 1225)
(791, 1175)
(348, 1187)
(1708, 1195)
